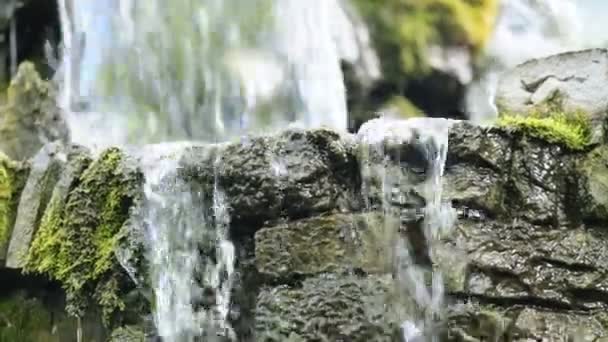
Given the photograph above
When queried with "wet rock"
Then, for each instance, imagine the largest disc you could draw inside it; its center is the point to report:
(45, 170)
(293, 174)
(523, 263)
(77, 244)
(31, 117)
(576, 77)
(592, 172)
(326, 309)
(477, 167)
(335, 243)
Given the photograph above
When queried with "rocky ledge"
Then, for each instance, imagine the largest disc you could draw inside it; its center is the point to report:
(314, 217)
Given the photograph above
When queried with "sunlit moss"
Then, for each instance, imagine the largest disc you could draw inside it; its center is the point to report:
(12, 180)
(405, 29)
(76, 241)
(570, 129)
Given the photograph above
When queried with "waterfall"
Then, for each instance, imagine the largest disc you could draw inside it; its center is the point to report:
(140, 72)
(205, 69)
(407, 158)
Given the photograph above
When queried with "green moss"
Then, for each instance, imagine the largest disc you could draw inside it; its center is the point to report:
(76, 241)
(404, 29)
(12, 180)
(570, 129)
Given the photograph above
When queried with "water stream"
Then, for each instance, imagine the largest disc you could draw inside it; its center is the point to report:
(214, 70)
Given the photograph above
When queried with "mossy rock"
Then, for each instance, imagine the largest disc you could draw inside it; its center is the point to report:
(12, 180)
(403, 30)
(77, 241)
(31, 116)
(128, 334)
(570, 129)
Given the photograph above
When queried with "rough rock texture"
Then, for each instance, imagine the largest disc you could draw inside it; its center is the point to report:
(578, 77)
(265, 178)
(31, 117)
(45, 170)
(316, 257)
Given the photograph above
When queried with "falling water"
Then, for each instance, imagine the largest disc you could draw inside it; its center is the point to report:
(202, 70)
(407, 159)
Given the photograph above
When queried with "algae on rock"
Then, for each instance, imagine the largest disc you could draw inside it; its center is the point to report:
(12, 180)
(76, 244)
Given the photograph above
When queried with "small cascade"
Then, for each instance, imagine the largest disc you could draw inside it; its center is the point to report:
(205, 70)
(404, 162)
(190, 257)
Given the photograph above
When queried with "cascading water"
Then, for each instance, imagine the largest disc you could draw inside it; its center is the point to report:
(404, 165)
(206, 70)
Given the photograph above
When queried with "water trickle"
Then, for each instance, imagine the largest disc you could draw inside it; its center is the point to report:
(404, 165)
(190, 257)
(205, 70)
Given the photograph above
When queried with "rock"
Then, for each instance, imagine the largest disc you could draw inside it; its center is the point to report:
(336, 243)
(576, 78)
(326, 309)
(45, 170)
(31, 118)
(593, 185)
(555, 267)
(536, 324)
(12, 180)
(77, 244)
(294, 174)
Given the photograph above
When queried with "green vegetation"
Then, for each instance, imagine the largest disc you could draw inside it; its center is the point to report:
(12, 180)
(404, 29)
(570, 129)
(24, 320)
(76, 240)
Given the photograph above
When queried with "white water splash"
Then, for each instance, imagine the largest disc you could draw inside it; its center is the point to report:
(429, 137)
(207, 70)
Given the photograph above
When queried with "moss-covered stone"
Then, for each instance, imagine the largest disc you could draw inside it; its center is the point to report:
(31, 116)
(76, 243)
(569, 129)
(12, 180)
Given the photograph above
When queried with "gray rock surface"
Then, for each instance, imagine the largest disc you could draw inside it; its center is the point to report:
(45, 171)
(579, 77)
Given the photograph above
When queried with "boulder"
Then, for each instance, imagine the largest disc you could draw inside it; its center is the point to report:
(293, 174)
(31, 117)
(569, 82)
(45, 170)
